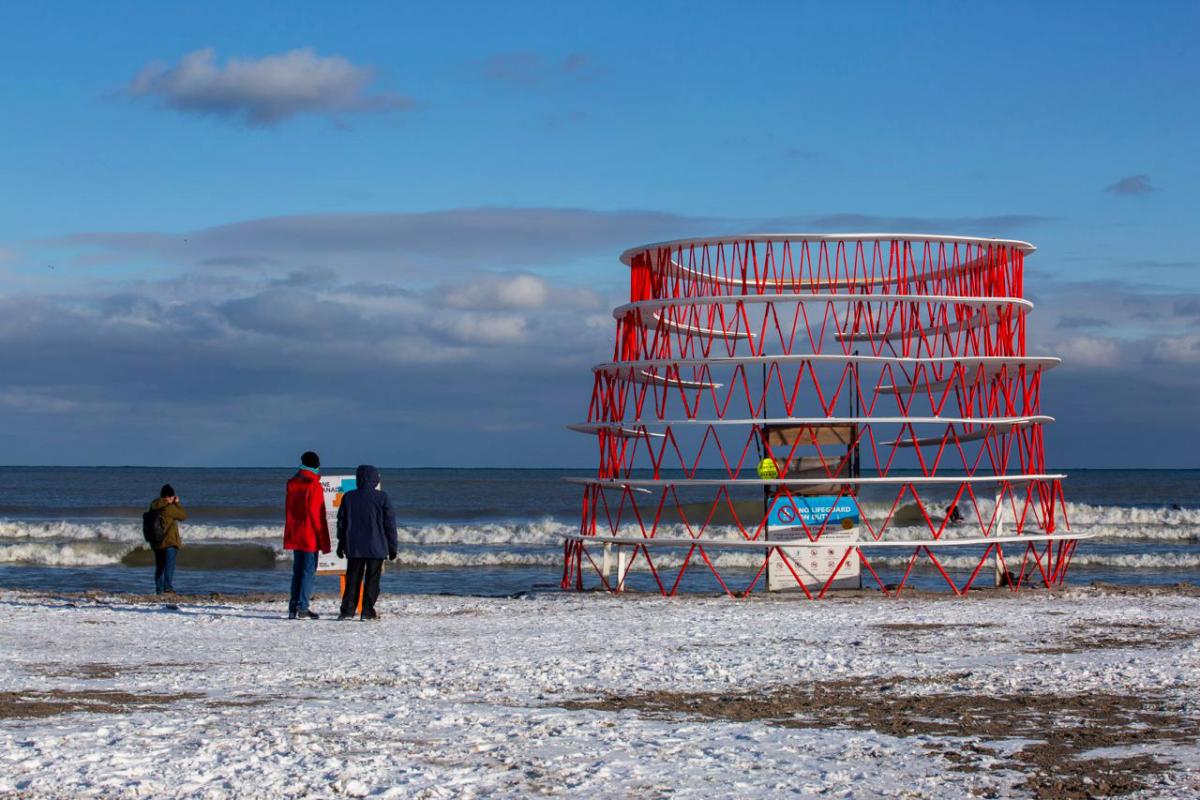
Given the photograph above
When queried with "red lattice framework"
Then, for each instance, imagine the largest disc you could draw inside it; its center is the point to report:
(912, 346)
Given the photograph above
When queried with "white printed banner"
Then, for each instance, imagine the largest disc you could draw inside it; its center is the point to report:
(335, 486)
(814, 562)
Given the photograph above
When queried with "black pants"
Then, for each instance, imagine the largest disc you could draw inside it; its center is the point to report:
(356, 570)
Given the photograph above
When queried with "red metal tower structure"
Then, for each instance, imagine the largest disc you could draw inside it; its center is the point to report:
(808, 411)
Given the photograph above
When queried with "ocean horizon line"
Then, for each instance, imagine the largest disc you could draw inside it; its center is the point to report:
(587, 468)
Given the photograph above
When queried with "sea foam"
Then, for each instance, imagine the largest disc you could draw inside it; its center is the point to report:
(445, 544)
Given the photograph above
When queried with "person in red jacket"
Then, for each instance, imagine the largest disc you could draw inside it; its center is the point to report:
(305, 532)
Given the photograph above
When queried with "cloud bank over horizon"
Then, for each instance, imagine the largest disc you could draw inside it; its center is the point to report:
(479, 237)
(230, 343)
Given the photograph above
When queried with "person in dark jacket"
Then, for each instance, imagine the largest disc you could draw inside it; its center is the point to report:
(172, 513)
(305, 532)
(366, 534)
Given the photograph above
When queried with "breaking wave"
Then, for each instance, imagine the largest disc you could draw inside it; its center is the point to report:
(127, 531)
(261, 556)
(101, 553)
(1167, 534)
(1161, 516)
(536, 531)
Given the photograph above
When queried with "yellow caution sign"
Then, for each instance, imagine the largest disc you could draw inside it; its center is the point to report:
(767, 469)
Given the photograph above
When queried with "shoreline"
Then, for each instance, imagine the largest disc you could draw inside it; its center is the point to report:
(1093, 589)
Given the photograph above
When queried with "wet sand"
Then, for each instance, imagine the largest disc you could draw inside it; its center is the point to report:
(1096, 588)
(1059, 730)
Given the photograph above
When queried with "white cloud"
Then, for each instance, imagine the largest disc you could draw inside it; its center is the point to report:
(1183, 349)
(38, 400)
(528, 68)
(1132, 185)
(1088, 351)
(484, 330)
(523, 291)
(501, 291)
(264, 91)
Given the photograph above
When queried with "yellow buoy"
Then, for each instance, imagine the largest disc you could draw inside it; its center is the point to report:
(767, 469)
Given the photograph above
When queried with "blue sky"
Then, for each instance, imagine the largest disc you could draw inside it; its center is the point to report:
(206, 261)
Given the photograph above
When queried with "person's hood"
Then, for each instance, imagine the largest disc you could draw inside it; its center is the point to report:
(366, 477)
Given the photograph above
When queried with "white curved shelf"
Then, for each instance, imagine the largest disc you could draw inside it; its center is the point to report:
(1017, 244)
(984, 431)
(998, 362)
(989, 371)
(623, 428)
(657, 321)
(828, 283)
(613, 430)
(971, 323)
(877, 481)
(811, 297)
(641, 541)
(644, 376)
(950, 271)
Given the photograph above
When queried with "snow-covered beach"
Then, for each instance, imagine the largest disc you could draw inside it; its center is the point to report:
(1084, 692)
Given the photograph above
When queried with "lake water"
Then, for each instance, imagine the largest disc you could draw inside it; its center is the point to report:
(468, 531)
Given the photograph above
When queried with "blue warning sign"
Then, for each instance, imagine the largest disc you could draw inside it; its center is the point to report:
(791, 512)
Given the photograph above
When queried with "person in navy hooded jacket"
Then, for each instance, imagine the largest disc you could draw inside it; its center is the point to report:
(366, 534)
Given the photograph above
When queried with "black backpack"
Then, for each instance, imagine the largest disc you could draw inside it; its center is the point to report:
(154, 527)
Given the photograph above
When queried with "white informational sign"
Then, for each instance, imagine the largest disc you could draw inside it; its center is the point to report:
(814, 562)
(335, 486)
